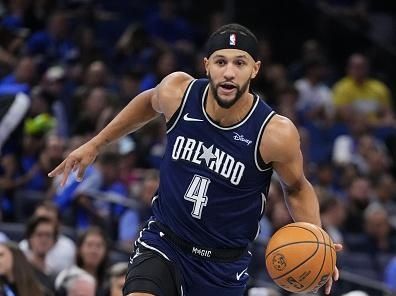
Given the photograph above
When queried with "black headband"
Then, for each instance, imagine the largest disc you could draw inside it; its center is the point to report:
(233, 40)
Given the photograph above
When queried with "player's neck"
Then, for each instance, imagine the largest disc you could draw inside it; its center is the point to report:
(232, 115)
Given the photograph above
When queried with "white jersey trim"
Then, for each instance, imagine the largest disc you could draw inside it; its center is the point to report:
(154, 198)
(229, 127)
(263, 202)
(258, 231)
(185, 97)
(256, 150)
(147, 245)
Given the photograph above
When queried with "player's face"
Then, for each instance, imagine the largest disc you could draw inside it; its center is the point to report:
(229, 72)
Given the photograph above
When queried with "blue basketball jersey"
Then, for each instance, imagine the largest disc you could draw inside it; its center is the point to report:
(213, 182)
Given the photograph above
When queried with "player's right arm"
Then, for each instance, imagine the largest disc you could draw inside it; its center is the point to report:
(164, 99)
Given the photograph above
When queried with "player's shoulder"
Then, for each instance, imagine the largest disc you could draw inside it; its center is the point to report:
(280, 136)
(176, 81)
(280, 126)
(169, 92)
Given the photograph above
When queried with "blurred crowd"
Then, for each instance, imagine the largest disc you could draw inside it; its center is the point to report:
(68, 66)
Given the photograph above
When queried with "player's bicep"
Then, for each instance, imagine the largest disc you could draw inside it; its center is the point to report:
(290, 171)
(281, 147)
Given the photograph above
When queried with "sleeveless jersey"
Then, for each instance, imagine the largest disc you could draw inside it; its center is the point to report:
(213, 182)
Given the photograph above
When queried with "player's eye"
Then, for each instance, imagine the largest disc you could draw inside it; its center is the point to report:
(220, 62)
(240, 62)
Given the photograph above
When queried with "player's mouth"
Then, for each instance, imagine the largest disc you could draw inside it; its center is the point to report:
(227, 88)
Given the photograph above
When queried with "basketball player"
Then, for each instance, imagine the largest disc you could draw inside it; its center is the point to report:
(223, 144)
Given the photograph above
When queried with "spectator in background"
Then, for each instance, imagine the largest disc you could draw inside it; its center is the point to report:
(54, 147)
(53, 85)
(132, 220)
(62, 254)
(85, 199)
(325, 181)
(385, 194)
(95, 104)
(372, 158)
(390, 275)
(286, 99)
(3, 237)
(134, 50)
(92, 254)
(345, 144)
(32, 160)
(333, 214)
(360, 93)
(97, 74)
(52, 44)
(165, 26)
(379, 235)
(273, 81)
(310, 48)
(314, 99)
(16, 274)
(21, 79)
(165, 63)
(117, 273)
(89, 49)
(359, 197)
(129, 86)
(75, 281)
(10, 180)
(41, 235)
(11, 42)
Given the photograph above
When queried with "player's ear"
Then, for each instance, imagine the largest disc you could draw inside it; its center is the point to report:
(256, 69)
(206, 64)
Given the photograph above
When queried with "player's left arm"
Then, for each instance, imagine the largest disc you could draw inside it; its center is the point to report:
(280, 145)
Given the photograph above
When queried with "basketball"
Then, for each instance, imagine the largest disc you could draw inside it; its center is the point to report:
(300, 257)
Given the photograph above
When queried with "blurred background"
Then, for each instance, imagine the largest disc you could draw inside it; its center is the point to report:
(68, 66)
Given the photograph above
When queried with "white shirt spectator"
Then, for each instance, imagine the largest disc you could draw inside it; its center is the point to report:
(3, 237)
(313, 96)
(60, 257)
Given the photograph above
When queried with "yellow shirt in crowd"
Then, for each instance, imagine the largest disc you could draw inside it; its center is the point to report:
(369, 97)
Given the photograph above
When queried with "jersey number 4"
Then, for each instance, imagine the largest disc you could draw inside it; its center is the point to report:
(196, 193)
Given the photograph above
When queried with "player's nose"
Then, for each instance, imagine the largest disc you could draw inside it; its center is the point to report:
(229, 72)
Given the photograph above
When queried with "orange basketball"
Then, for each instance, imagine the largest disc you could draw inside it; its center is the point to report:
(300, 257)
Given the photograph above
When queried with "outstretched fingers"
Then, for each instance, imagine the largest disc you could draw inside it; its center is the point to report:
(58, 170)
(68, 167)
(81, 170)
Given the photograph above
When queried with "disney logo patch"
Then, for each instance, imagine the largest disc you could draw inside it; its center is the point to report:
(241, 138)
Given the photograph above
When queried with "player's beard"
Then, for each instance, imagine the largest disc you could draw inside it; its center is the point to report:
(226, 104)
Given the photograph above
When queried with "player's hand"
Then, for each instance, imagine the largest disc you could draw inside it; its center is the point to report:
(336, 274)
(78, 160)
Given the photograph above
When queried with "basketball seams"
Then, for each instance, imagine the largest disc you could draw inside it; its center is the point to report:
(287, 240)
(306, 260)
(321, 267)
(296, 226)
(333, 263)
(296, 243)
